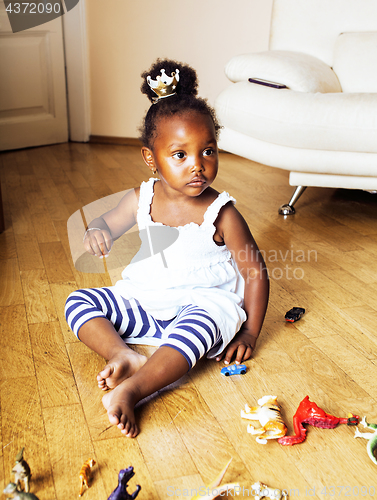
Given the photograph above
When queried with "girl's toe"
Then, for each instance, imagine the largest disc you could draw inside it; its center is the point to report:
(113, 418)
(127, 428)
(106, 372)
(135, 431)
(122, 422)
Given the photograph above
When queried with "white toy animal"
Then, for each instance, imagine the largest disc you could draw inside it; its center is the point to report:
(371, 436)
(264, 491)
(16, 494)
(21, 470)
(269, 416)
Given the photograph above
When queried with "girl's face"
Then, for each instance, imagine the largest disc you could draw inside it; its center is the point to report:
(184, 153)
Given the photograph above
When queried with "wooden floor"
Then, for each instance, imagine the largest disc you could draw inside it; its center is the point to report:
(323, 259)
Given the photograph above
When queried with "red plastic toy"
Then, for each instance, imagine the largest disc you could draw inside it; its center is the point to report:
(309, 413)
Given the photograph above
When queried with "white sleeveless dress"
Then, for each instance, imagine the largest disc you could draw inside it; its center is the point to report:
(192, 270)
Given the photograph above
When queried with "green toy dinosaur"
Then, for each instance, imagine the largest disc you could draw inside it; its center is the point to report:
(371, 436)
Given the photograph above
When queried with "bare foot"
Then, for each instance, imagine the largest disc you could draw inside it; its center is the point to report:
(120, 404)
(122, 366)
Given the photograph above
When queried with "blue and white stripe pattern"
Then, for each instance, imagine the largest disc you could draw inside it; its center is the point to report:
(192, 332)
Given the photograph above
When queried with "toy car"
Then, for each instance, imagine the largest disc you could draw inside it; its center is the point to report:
(294, 314)
(233, 370)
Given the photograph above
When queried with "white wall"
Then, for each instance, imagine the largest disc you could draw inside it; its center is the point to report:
(126, 36)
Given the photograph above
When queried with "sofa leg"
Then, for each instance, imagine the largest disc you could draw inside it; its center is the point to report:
(289, 209)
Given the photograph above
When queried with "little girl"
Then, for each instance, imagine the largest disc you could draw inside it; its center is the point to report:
(206, 293)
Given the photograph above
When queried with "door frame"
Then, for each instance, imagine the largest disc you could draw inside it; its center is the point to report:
(77, 72)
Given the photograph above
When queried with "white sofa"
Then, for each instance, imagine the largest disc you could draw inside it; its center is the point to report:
(323, 126)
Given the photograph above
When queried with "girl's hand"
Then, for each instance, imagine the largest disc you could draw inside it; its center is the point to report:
(98, 242)
(242, 345)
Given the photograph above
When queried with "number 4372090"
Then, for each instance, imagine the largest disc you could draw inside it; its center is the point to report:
(33, 8)
(348, 491)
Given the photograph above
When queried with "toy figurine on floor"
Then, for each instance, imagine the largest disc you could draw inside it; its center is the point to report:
(21, 471)
(214, 490)
(269, 416)
(264, 491)
(85, 474)
(16, 494)
(120, 492)
(309, 413)
(371, 436)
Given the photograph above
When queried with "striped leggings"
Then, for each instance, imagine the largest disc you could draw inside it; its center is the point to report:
(192, 332)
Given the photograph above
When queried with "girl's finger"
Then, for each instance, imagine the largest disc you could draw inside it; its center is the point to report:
(248, 353)
(108, 244)
(240, 354)
(95, 247)
(104, 243)
(88, 248)
(229, 354)
(103, 248)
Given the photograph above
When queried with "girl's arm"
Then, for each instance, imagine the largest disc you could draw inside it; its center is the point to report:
(102, 231)
(232, 227)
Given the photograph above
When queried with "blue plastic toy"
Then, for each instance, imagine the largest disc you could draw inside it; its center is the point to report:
(120, 492)
(233, 370)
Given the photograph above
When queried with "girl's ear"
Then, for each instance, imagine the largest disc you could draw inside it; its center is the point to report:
(148, 158)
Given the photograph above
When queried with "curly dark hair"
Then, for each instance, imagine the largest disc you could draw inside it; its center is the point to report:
(184, 100)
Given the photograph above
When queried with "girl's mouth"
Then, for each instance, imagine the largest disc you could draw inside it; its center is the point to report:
(197, 181)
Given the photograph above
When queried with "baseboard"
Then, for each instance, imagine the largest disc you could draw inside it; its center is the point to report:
(106, 139)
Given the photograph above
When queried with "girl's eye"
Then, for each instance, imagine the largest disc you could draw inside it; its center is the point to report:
(179, 156)
(208, 152)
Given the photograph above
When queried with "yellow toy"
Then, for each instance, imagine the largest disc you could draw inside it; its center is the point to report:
(214, 489)
(269, 416)
(85, 475)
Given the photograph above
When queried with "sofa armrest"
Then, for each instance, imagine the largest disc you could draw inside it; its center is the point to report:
(298, 71)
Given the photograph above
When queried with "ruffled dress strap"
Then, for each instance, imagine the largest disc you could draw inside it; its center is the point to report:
(145, 200)
(213, 210)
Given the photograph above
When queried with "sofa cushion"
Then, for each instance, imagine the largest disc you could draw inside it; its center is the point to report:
(355, 61)
(297, 71)
(333, 122)
(342, 163)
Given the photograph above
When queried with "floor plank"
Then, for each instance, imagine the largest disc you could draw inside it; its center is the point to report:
(11, 289)
(37, 295)
(16, 353)
(57, 386)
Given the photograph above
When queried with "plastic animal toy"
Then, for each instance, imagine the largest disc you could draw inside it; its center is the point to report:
(120, 492)
(233, 370)
(269, 416)
(21, 470)
(214, 490)
(264, 491)
(16, 494)
(85, 475)
(371, 436)
(309, 413)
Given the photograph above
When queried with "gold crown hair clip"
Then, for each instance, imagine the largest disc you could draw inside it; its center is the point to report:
(164, 85)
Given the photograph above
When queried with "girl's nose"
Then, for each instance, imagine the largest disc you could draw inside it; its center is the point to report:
(197, 167)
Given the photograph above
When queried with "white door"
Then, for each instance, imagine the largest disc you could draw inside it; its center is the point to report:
(33, 107)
